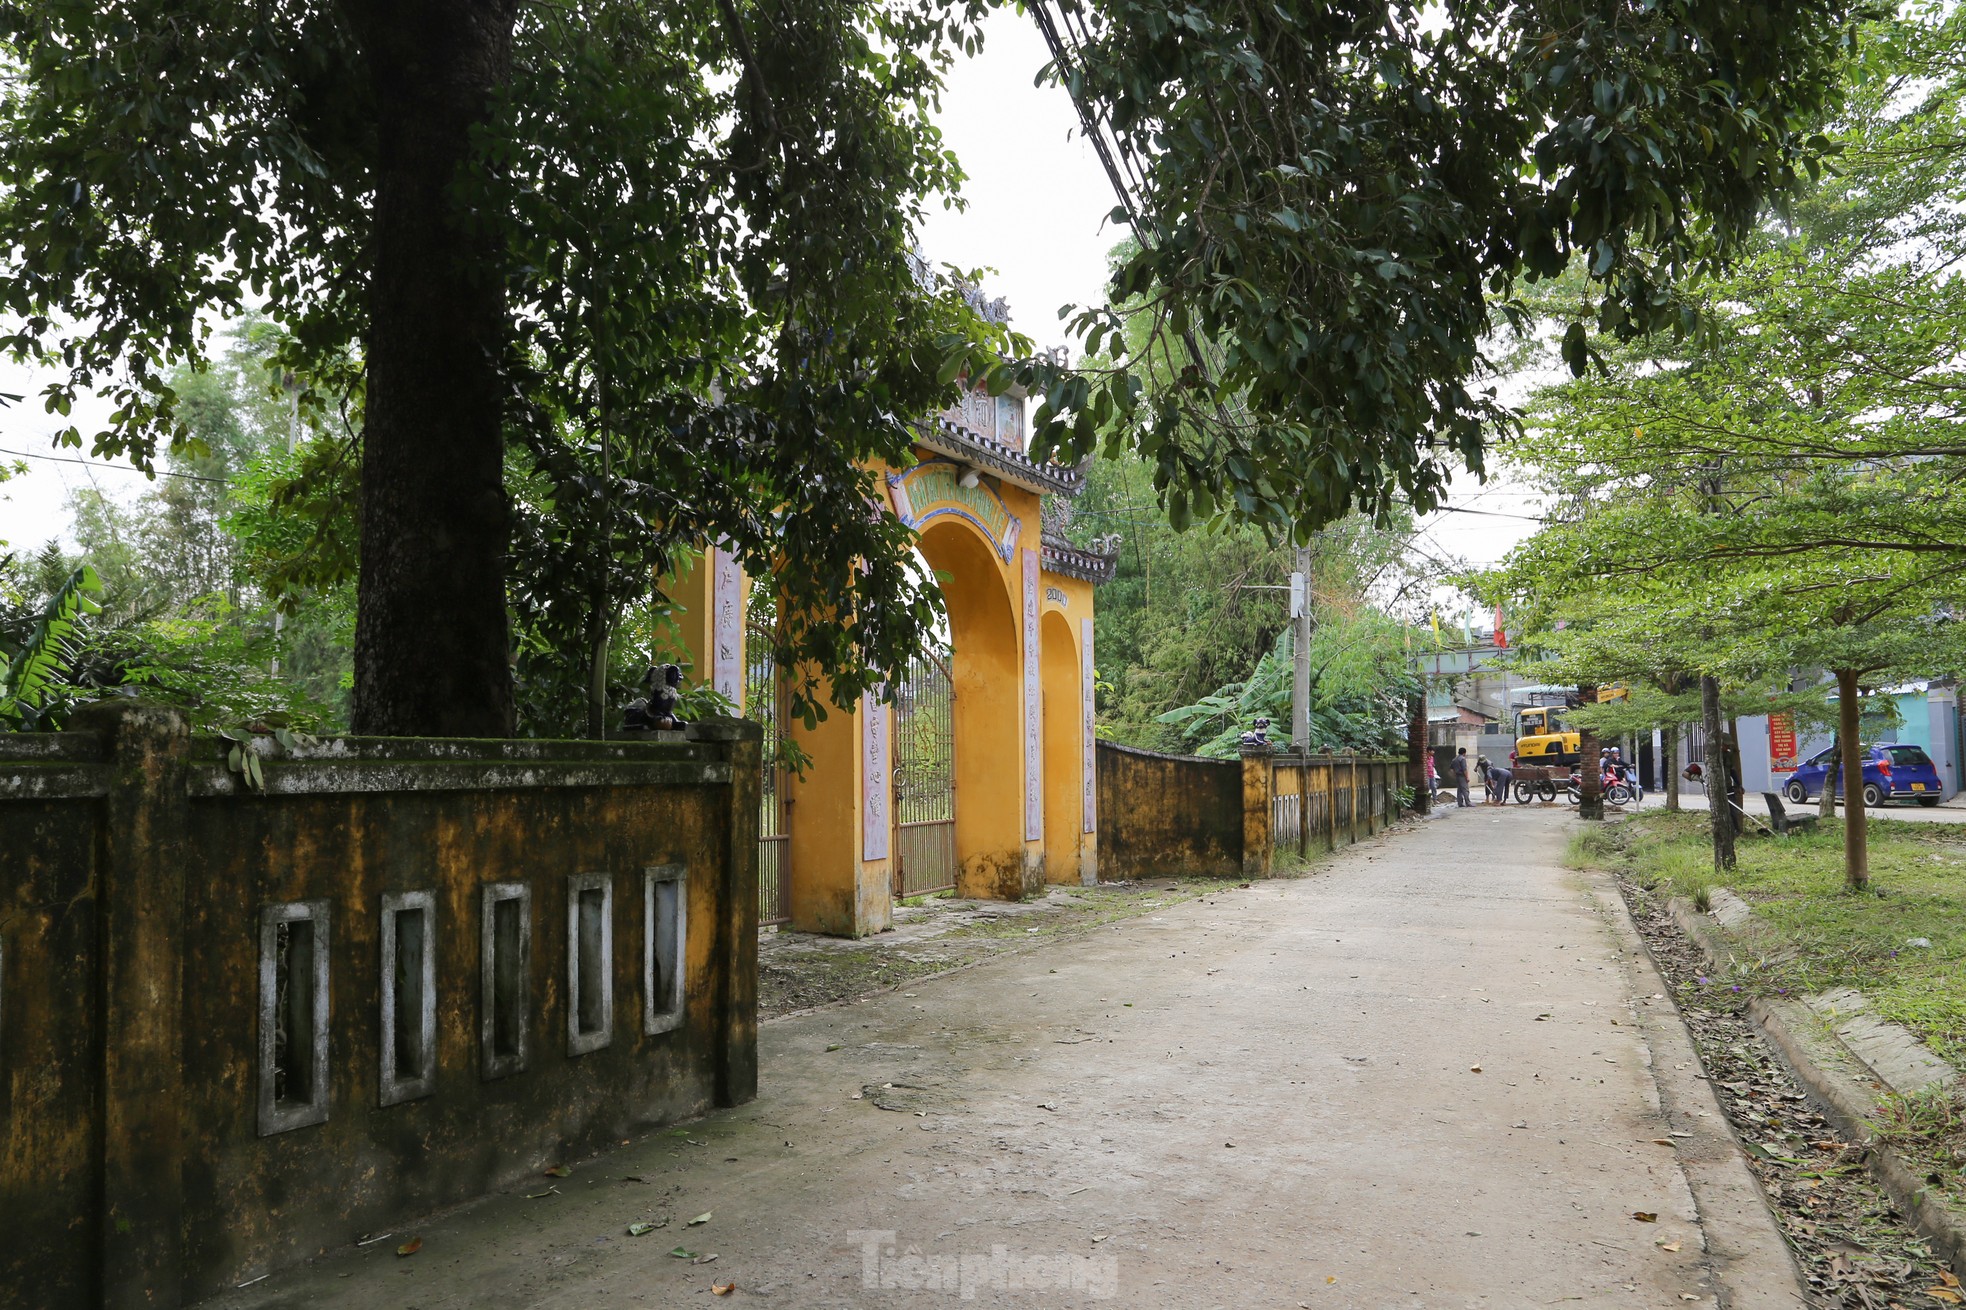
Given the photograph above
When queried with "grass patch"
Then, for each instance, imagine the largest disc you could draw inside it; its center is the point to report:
(1834, 937)
(1591, 846)
(1928, 1129)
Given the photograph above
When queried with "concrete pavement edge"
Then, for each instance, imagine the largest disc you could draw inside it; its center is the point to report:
(1823, 1065)
(1750, 1262)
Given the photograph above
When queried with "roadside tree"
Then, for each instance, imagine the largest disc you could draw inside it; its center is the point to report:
(662, 255)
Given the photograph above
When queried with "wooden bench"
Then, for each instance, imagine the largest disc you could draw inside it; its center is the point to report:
(1782, 821)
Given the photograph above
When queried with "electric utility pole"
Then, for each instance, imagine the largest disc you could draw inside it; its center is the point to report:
(1300, 661)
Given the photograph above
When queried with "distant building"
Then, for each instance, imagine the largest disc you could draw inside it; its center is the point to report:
(1468, 699)
(1926, 715)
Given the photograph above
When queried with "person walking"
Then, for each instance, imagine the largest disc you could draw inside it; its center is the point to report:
(1458, 766)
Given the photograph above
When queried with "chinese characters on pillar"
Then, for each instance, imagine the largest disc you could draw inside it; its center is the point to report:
(1088, 761)
(727, 626)
(874, 766)
(1033, 707)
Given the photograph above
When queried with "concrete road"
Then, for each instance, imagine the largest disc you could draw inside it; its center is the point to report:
(1439, 1073)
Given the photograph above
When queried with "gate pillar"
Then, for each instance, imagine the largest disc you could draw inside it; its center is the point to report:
(841, 827)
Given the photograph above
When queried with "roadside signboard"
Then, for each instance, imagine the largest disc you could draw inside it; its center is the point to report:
(1781, 743)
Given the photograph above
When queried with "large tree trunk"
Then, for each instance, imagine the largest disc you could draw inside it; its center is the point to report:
(431, 640)
(1719, 785)
(1856, 837)
(1590, 786)
(1416, 750)
(1669, 743)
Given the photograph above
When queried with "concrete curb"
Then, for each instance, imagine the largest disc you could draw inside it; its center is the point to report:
(1748, 1258)
(1841, 1083)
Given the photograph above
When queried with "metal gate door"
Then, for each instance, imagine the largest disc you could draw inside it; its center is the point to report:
(764, 701)
(925, 778)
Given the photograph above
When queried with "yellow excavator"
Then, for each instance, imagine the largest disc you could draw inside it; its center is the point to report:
(1542, 738)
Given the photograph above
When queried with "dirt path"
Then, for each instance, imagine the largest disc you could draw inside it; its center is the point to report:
(1425, 1077)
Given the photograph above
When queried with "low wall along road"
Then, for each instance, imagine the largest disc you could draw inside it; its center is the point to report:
(238, 1026)
(1183, 814)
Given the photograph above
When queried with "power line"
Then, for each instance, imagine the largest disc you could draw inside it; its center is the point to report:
(1492, 514)
(120, 468)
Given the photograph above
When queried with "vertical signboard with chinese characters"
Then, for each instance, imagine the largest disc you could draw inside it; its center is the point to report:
(875, 765)
(727, 625)
(1087, 700)
(1033, 706)
(1781, 744)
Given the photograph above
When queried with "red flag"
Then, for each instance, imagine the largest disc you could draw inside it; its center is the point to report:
(1501, 637)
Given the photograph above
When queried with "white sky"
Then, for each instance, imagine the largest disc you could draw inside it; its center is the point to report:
(1038, 202)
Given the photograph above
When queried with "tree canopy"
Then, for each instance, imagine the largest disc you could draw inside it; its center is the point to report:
(1777, 495)
(1337, 205)
(658, 256)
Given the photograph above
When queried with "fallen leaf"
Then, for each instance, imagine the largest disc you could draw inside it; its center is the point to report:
(1329, 1279)
(534, 1196)
(722, 1289)
(834, 1047)
(410, 1247)
(681, 1254)
(636, 1230)
(559, 1171)
(1645, 1216)
(1941, 1294)
(1662, 1141)
(704, 1259)
(703, 1218)
(1474, 1068)
(1669, 1246)
(1947, 1278)
(1100, 1237)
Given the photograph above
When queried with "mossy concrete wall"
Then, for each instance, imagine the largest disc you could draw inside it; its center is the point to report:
(1167, 814)
(132, 879)
(1247, 817)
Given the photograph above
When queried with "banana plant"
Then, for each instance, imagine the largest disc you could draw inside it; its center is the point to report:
(33, 672)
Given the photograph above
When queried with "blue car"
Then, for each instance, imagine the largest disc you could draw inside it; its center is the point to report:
(1891, 772)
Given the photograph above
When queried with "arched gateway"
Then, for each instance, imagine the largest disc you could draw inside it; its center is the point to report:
(1014, 698)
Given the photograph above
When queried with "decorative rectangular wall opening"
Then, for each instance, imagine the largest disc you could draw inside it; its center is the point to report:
(504, 974)
(293, 1016)
(665, 930)
(409, 996)
(590, 962)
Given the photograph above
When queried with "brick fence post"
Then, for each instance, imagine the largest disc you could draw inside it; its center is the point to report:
(1258, 790)
(145, 835)
(737, 910)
